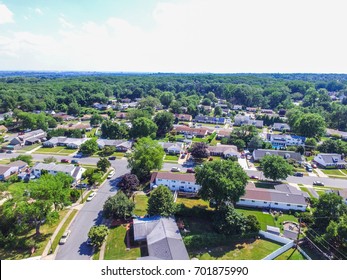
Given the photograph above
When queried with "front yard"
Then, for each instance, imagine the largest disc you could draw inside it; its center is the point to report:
(335, 173)
(58, 150)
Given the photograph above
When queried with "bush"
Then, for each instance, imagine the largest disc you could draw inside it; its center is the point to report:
(74, 195)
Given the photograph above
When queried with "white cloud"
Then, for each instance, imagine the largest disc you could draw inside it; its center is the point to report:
(38, 11)
(6, 16)
(198, 36)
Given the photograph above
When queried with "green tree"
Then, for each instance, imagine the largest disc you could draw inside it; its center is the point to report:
(147, 155)
(118, 206)
(138, 113)
(166, 98)
(97, 235)
(26, 158)
(143, 127)
(255, 143)
(161, 202)
(113, 130)
(103, 164)
(311, 143)
(218, 111)
(89, 147)
(164, 122)
(73, 109)
(310, 125)
(275, 167)
(228, 221)
(96, 120)
(199, 150)
(221, 181)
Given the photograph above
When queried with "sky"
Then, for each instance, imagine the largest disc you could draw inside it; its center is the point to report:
(189, 36)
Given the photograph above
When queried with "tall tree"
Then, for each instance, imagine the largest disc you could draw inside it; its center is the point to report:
(118, 207)
(221, 181)
(89, 147)
(129, 183)
(143, 127)
(97, 235)
(96, 120)
(164, 122)
(103, 164)
(275, 167)
(166, 98)
(161, 202)
(147, 155)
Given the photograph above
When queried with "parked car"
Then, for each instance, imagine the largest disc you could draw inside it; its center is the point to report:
(64, 160)
(254, 177)
(89, 242)
(314, 165)
(175, 169)
(318, 183)
(64, 237)
(82, 186)
(308, 168)
(75, 161)
(112, 158)
(298, 174)
(190, 170)
(9, 151)
(78, 155)
(91, 196)
(110, 175)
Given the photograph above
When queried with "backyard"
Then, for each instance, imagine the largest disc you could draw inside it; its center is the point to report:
(140, 204)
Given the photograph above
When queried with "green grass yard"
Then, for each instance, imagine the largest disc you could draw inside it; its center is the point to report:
(58, 150)
(116, 246)
(140, 204)
(291, 254)
(333, 172)
(29, 148)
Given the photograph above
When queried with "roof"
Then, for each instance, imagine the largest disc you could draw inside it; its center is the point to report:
(273, 196)
(281, 126)
(167, 145)
(273, 229)
(66, 140)
(332, 158)
(222, 149)
(4, 168)
(54, 167)
(35, 133)
(334, 131)
(290, 234)
(3, 128)
(163, 237)
(224, 132)
(260, 153)
(183, 117)
(18, 163)
(190, 177)
(343, 193)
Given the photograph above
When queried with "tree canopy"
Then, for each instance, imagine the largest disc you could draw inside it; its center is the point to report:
(118, 206)
(275, 167)
(161, 202)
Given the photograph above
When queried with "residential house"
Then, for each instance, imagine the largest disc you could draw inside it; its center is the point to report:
(183, 182)
(279, 141)
(74, 171)
(6, 171)
(330, 160)
(247, 120)
(343, 194)
(252, 109)
(223, 133)
(120, 145)
(121, 115)
(191, 132)
(65, 117)
(237, 107)
(73, 126)
(281, 127)
(125, 100)
(224, 151)
(19, 164)
(260, 153)
(207, 109)
(183, 117)
(72, 143)
(86, 118)
(331, 132)
(35, 136)
(208, 119)
(272, 199)
(256, 123)
(267, 111)
(163, 238)
(6, 115)
(100, 106)
(172, 148)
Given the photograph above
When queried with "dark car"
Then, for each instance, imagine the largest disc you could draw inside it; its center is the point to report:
(298, 174)
(64, 160)
(254, 177)
(318, 183)
(112, 158)
(190, 170)
(75, 161)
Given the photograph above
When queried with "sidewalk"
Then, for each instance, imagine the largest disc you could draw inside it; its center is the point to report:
(33, 150)
(320, 173)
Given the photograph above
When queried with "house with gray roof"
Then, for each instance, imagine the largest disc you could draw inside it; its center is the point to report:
(224, 151)
(330, 160)
(29, 138)
(272, 199)
(240, 120)
(163, 238)
(208, 119)
(281, 127)
(120, 145)
(260, 153)
(6, 171)
(72, 143)
(172, 148)
(74, 171)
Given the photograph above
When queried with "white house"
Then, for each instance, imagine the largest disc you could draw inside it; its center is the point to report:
(6, 171)
(172, 148)
(72, 143)
(279, 141)
(330, 160)
(175, 181)
(29, 138)
(260, 153)
(52, 168)
(281, 127)
(119, 145)
(272, 199)
(225, 151)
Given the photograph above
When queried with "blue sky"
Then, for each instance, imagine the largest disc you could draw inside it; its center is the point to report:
(174, 35)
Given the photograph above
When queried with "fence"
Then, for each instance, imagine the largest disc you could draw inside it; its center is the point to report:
(288, 244)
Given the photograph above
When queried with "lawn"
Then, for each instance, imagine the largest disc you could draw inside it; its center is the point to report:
(171, 158)
(191, 202)
(333, 172)
(244, 249)
(306, 190)
(198, 139)
(140, 205)
(29, 147)
(116, 246)
(58, 150)
(264, 219)
(5, 161)
(46, 232)
(291, 254)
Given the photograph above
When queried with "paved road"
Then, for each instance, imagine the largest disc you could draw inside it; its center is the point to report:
(91, 214)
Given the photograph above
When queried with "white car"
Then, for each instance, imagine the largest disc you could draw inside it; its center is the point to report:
(91, 196)
(110, 175)
(175, 169)
(64, 237)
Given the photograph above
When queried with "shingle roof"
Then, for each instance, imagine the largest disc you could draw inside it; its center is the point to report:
(54, 167)
(18, 163)
(4, 168)
(280, 126)
(260, 153)
(332, 158)
(190, 177)
(222, 149)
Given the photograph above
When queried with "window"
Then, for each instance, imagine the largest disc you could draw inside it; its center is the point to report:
(253, 201)
(159, 180)
(288, 204)
(265, 202)
(183, 182)
(276, 203)
(242, 199)
(300, 206)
